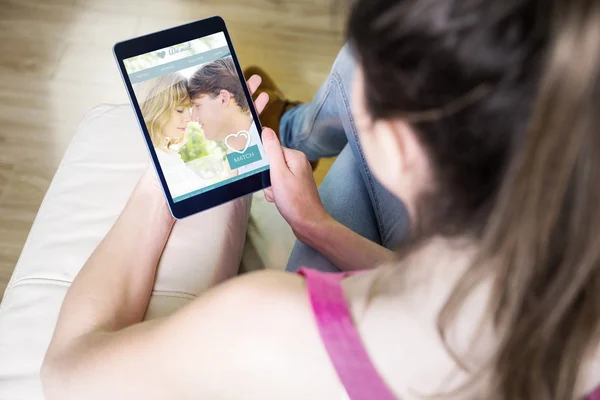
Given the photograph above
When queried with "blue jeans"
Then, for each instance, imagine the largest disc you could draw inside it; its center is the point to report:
(350, 193)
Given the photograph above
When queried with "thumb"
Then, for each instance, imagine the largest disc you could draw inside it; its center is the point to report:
(273, 149)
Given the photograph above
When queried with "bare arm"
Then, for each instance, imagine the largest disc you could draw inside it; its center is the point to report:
(114, 286)
(294, 191)
(250, 338)
(345, 248)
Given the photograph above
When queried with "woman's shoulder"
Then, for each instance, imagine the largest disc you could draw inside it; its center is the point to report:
(396, 309)
(253, 337)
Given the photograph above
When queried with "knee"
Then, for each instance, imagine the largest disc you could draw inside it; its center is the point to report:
(344, 64)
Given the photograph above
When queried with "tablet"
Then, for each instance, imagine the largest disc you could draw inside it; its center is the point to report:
(196, 113)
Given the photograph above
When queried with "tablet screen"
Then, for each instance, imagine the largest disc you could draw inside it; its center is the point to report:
(197, 115)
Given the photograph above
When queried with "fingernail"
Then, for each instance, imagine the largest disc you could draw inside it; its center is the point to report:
(268, 134)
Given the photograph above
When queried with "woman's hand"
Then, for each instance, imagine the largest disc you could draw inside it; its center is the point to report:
(293, 189)
(263, 98)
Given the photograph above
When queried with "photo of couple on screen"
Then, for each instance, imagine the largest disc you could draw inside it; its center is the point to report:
(201, 127)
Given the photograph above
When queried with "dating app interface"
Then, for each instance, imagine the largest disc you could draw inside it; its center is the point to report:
(197, 114)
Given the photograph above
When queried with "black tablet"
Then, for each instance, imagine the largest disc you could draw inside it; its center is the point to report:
(196, 113)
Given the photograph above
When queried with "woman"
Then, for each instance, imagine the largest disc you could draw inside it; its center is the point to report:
(481, 116)
(165, 105)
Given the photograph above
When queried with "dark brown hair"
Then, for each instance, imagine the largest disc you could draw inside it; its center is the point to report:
(218, 75)
(503, 97)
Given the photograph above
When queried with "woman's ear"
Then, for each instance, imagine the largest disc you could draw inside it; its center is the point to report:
(397, 158)
(225, 97)
(390, 142)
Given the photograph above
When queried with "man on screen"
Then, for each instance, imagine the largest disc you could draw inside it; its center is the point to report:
(221, 108)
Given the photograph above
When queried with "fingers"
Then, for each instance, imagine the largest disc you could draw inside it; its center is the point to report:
(274, 151)
(296, 161)
(269, 195)
(293, 154)
(261, 102)
(253, 83)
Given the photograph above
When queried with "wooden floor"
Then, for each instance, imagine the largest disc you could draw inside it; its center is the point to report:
(56, 63)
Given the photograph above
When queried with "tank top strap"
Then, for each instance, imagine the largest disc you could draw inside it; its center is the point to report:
(342, 341)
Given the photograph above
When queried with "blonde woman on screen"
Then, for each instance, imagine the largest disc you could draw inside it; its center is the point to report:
(165, 105)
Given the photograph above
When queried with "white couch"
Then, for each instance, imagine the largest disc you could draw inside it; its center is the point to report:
(90, 188)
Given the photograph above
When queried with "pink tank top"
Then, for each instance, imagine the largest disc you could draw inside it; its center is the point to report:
(342, 341)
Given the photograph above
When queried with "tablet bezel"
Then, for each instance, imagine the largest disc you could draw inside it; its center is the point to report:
(170, 37)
